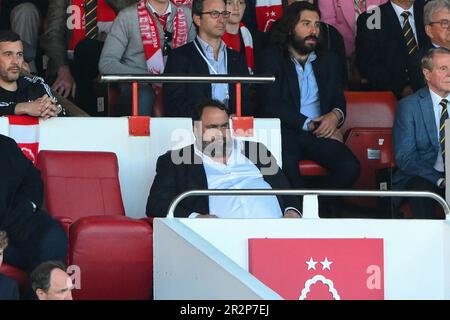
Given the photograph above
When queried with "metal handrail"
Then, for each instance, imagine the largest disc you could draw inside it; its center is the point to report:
(258, 192)
(165, 78)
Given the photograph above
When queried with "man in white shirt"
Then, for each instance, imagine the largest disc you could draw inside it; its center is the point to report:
(217, 161)
(419, 134)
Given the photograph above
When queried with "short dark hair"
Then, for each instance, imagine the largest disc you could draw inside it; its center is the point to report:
(40, 277)
(8, 36)
(197, 111)
(197, 7)
(287, 23)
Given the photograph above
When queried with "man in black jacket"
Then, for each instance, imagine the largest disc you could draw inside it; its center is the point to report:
(34, 236)
(216, 161)
(308, 97)
(18, 94)
(206, 55)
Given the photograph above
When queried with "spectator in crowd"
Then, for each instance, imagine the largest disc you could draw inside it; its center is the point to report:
(207, 54)
(8, 287)
(73, 41)
(329, 38)
(237, 36)
(34, 236)
(342, 14)
(50, 281)
(131, 49)
(308, 97)
(419, 134)
(24, 17)
(207, 164)
(436, 17)
(387, 46)
(22, 94)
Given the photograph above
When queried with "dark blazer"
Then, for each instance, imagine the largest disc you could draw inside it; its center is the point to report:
(20, 184)
(282, 98)
(416, 142)
(381, 53)
(172, 179)
(180, 98)
(8, 288)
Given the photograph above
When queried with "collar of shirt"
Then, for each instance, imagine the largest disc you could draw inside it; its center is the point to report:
(209, 50)
(236, 150)
(311, 57)
(399, 10)
(437, 98)
(168, 10)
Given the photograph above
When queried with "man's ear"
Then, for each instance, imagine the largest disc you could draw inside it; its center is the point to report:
(428, 31)
(426, 74)
(40, 294)
(196, 19)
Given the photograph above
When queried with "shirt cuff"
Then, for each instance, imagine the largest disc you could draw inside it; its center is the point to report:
(292, 208)
(305, 124)
(438, 183)
(193, 215)
(342, 116)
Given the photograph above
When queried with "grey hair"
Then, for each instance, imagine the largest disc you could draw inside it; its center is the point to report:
(427, 60)
(432, 7)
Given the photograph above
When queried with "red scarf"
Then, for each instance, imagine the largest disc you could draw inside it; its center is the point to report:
(104, 14)
(267, 12)
(233, 41)
(187, 3)
(150, 36)
(25, 131)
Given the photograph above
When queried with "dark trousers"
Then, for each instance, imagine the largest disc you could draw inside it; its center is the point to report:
(342, 166)
(423, 208)
(48, 242)
(85, 71)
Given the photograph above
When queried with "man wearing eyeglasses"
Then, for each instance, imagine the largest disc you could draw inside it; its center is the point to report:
(436, 18)
(140, 40)
(206, 55)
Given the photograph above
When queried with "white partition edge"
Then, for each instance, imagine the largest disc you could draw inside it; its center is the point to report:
(186, 266)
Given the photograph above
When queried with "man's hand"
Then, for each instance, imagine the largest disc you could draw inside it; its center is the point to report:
(207, 216)
(328, 124)
(43, 107)
(49, 107)
(64, 83)
(291, 214)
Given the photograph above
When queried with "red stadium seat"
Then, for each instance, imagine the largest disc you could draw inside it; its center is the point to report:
(80, 184)
(15, 273)
(364, 109)
(115, 257)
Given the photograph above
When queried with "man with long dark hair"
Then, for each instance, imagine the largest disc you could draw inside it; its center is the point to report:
(308, 97)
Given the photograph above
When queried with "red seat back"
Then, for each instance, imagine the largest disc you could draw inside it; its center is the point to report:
(79, 184)
(115, 257)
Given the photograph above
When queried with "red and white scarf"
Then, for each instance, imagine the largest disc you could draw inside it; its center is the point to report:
(25, 131)
(187, 3)
(267, 12)
(248, 44)
(104, 14)
(150, 36)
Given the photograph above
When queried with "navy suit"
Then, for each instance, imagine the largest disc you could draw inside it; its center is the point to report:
(381, 53)
(180, 98)
(8, 288)
(282, 100)
(416, 148)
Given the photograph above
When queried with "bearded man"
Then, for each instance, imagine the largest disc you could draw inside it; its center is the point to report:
(217, 161)
(308, 97)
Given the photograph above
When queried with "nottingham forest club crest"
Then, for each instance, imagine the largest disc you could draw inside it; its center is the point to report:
(320, 269)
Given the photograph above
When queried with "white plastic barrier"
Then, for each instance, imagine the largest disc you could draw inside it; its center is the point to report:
(137, 155)
(416, 260)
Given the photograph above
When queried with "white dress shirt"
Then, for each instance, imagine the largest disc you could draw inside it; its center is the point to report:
(398, 11)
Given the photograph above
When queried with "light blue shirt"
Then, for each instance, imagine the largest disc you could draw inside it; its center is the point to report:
(238, 173)
(437, 109)
(309, 91)
(220, 91)
(398, 11)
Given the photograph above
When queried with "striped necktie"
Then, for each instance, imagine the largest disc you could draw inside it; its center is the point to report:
(90, 9)
(444, 116)
(411, 44)
(360, 6)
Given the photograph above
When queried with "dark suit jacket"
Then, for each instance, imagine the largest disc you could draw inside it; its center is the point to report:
(172, 179)
(8, 288)
(381, 53)
(416, 142)
(282, 98)
(180, 98)
(20, 184)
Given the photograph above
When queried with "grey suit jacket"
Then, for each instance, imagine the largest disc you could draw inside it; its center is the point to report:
(416, 144)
